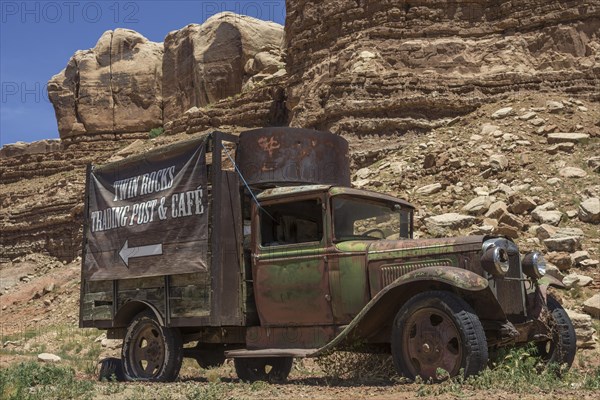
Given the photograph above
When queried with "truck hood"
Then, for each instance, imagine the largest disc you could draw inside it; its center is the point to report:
(386, 249)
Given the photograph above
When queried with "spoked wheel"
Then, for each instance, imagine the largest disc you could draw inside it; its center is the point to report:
(437, 331)
(151, 352)
(561, 348)
(269, 369)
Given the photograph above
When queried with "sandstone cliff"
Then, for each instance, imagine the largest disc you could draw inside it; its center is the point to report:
(126, 85)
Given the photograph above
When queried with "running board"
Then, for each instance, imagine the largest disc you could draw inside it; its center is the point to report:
(243, 353)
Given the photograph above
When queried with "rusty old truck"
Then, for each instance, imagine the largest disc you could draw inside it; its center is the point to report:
(256, 248)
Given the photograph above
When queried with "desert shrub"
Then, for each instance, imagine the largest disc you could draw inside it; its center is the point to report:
(31, 380)
(156, 132)
(361, 367)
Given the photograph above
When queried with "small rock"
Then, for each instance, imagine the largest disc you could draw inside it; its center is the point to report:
(48, 358)
(567, 137)
(478, 205)
(489, 129)
(554, 181)
(594, 163)
(545, 231)
(589, 263)
(527, 116)
(583, 328)
(589, 210)
(579, 256)
(552, 270)
(506, 230)
(592, 306)
(572, 213)
(572, 172)
(554, 106)
(573, 280)
(564, 147)
(547, 217)
(511, 220)
(363, 173)
(496, 210)
(520, 204)
(430, 189)
(503, 113)
(569, 244)
(49, 288)
(47, 302)
(561, 260)
(537, 121)
(498, 162)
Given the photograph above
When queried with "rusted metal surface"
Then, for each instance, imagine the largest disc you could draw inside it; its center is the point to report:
(289, 337)
(290, 191)
(339, 190)
(271, 157)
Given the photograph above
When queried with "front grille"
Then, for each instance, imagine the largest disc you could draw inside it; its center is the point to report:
(511, 292)
(389, 273)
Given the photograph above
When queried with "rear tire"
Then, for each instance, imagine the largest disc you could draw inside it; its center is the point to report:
(438, 330)
(562, 347)
(150, 351)
(111, 369)
(268, 369)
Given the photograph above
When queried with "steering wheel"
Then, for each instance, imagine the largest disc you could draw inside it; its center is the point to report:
(374, 230)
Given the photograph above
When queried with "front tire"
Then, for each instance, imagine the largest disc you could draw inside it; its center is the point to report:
(150, 351)
(268, 369)
(561, 348)
(436, 331)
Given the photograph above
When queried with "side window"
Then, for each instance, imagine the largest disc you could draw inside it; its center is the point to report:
(289, 223)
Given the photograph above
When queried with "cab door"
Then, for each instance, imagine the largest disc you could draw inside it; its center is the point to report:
(291, 278)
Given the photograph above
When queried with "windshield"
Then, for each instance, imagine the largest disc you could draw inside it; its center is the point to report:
(367, 219)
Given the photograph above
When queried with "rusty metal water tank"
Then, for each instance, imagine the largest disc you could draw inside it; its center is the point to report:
(270, 157)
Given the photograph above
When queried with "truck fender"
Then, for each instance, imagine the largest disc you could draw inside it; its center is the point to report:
(549, 280)
(381, 310)
(132, 308)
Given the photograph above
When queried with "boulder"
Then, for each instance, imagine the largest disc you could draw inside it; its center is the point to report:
(116, 87)
(583, 328)
(592, 306)
(561, 260)
(568, 244)
(206, 63)
(548, 217)
(450, 221)
(589, 210)
(576, 280)
(566, 137)
(477, 206)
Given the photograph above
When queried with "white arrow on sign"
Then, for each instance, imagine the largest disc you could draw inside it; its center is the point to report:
(142, 251)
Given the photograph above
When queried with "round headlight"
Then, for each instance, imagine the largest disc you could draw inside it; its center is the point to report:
(534, 265)
(495, 261)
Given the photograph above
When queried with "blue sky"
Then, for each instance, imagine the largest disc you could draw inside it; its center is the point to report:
(37, 38)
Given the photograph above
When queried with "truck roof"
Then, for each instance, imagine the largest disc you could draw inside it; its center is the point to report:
(286, 191)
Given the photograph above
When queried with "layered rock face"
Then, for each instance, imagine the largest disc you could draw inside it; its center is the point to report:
(206, 63)
(390, 66)
(126, 85)
(113, 88)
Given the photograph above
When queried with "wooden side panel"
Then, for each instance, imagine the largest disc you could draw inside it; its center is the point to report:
(189, 295)
(97, 301)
